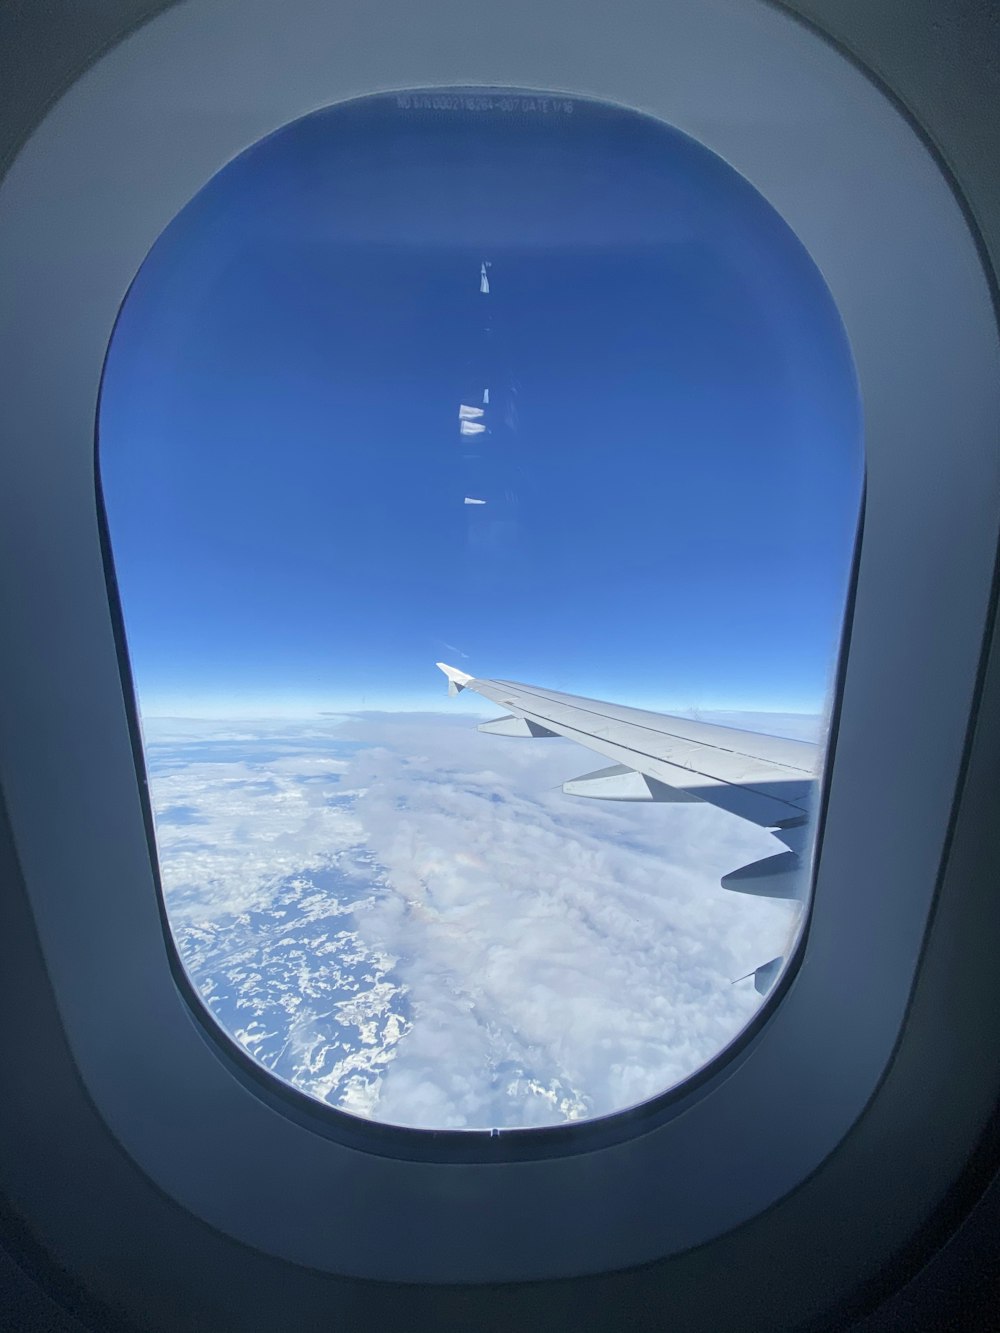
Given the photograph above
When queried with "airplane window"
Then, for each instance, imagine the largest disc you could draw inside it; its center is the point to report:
(540, 390)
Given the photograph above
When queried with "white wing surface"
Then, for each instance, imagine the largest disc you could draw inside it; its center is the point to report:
(764, 779)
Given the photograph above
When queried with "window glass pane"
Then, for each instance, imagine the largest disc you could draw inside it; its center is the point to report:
(544, 390)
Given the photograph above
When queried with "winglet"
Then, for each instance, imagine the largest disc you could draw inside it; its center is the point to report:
(457, 680)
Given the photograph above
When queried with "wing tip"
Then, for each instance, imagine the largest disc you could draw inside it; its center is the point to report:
(457, 680)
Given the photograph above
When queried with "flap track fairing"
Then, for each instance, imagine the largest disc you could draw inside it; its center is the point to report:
(621, 783)
(514, 726)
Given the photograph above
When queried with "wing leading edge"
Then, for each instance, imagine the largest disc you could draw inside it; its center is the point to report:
(767, 780)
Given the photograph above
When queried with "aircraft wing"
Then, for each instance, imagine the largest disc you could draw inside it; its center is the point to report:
(655, 757)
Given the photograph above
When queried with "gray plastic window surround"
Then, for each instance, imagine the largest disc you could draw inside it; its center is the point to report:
(115, 160)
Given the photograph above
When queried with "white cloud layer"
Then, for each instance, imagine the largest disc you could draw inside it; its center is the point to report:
(408, 919)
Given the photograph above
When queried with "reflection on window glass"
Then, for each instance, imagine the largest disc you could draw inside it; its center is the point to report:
(543, 390)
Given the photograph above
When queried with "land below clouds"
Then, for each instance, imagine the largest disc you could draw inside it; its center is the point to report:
(409, 920)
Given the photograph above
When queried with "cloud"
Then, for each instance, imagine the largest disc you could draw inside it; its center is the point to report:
(404, 918)
(576, 957)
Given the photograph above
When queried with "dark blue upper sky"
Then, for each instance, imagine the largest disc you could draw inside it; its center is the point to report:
(672, 466)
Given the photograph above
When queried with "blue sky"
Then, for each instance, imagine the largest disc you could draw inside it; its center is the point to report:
(672, 466)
